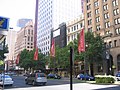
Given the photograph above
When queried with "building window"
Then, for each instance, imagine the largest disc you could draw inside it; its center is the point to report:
(89, 7)
(89, 14)
(28, 31)
(74, 28)
(87, 1)
(77, 26)
(81, 25)
(97, 19)
(110, 44)
(116, 12)
(68, 38)
(98, 27)
(104, 0)
(90, 22)
(107, 24)
(107, 32)
(96, 3)
(31, 39)
(117, 31)
(90, 29)
(106, 15)
(68, 30)
(115, 2)
(32, 32)
(117, 21)
(115, 43)
(105, 7)
(96, 11)
(28, 38)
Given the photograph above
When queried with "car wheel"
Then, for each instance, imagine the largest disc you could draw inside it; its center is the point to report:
(89, 79)
(81, 79)
(33, 83)
(26, 82)
(117, 79)
(11, 84)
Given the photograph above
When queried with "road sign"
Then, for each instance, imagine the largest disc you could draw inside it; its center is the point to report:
(4, 23)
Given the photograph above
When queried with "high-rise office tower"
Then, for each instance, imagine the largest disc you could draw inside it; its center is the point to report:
(51, 13)
(103, 17)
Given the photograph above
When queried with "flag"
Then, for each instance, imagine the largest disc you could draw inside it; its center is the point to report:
(81, 42)
(18, 59)
(52, 49)
(36, 54)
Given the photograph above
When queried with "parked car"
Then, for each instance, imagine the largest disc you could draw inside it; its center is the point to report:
(118, 76)
(85, 77)
(36, 79)
(55, 76)
(6, 79)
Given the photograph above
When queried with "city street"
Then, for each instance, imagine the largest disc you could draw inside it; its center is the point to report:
(20, 83)
(55, 84)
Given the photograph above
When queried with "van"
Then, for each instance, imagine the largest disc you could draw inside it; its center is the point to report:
(36, 79)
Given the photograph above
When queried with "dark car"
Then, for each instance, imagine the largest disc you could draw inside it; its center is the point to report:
(118, 76)
(85, 77)
(55, 76)
(36, 79)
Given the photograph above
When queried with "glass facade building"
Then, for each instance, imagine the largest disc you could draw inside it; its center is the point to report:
(51, 13)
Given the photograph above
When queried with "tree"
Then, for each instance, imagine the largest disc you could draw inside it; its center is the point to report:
(27, 62)
(94, 50)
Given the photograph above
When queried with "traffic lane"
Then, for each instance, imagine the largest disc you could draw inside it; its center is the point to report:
(19, 82)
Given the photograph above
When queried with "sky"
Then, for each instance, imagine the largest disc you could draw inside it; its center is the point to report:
(17, 9)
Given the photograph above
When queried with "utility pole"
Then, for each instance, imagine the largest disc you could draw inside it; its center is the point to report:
(71, 65)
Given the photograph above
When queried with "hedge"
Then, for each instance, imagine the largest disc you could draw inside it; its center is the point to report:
(104, 79)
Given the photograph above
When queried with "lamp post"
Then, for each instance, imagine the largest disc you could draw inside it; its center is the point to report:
(107, 55)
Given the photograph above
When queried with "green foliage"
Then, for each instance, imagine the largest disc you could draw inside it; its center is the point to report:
(61, 60)
(2, 52)
(92, 54)
(94, 50)
(27, 62)
(105, 80)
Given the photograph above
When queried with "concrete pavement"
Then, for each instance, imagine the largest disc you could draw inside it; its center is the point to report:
(78, 86)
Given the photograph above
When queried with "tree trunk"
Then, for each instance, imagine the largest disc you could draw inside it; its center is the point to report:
(91, 69)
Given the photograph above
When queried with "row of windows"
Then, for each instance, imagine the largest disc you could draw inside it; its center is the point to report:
(30, 38)
(111, 44)
(107, 24)
(45, 48)
(44, 43)
(44, 38)
(72, 37)
(105, 7)
(75, 27)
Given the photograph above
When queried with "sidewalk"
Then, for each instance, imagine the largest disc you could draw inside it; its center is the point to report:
(78, 86)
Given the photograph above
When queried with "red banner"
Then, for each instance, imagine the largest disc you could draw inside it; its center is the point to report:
(36, 54)
(81, 42)
(52, 50)
(17, 59)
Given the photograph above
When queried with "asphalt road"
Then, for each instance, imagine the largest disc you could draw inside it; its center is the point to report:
(20, 83)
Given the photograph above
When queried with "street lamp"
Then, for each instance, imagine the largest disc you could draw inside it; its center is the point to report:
(107, 55)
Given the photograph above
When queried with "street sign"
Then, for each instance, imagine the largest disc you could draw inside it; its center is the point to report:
(4, 23)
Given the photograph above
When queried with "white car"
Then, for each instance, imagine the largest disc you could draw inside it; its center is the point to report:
(6, 79)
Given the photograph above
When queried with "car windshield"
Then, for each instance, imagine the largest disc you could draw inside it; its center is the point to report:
(6, 76)
(41, 75)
